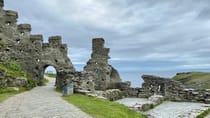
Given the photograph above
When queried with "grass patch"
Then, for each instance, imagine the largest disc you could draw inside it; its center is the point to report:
(12, 69)
(199, 80)
(8, 92)
(205, 113)
(99, 108)
(51, 75)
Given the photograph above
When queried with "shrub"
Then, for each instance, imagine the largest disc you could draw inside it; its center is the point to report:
(203, 114)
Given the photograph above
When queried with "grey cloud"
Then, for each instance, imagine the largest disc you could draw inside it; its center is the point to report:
(133, 29)
(204, 14)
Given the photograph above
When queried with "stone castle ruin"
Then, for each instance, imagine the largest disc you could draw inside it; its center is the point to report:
(17, 43)
(35, 56)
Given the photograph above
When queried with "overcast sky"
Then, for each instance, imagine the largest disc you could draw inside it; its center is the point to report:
(159, 37)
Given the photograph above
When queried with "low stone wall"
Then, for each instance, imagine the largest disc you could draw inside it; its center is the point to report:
(194, 95)
(170, 89)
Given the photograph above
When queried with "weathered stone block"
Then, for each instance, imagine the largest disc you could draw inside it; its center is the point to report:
(24, 27)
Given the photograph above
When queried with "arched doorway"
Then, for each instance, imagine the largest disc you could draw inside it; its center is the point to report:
(50, 75)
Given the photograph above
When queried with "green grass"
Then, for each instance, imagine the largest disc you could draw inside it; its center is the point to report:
(51, 75)
(205, 113)
(12, 69)
(99, 108)
(194, 79)
(8, 92)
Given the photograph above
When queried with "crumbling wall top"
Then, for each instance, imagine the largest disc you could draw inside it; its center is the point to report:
(55, 40)
(97, 43)
(10, 16)
(24, 27)
(11, 13)
(36, 37)
(1, 3)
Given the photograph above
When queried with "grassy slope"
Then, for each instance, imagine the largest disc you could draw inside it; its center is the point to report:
(194, 79)
(99, 108)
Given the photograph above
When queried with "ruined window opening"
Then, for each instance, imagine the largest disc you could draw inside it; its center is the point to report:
(36, 50)
(18, 41)
(159, 88)
(8, 23)
(38, 60)
(151, 86)
(22, 33)
(37, 68)
(0, 39)
(7, 49)
(56, 60)
(63, 48)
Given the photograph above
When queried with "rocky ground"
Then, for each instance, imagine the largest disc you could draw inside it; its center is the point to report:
(40, 102)
(169, 109)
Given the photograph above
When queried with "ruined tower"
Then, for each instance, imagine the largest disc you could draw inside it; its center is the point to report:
(104, 73)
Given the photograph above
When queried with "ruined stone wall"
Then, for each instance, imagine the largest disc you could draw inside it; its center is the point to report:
(170, 89)
(103, 73)
(29, 50)
(35, 56)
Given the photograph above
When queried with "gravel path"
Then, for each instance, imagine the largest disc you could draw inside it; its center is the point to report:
(40, 102)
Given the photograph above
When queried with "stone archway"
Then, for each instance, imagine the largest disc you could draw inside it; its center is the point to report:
(54, 54)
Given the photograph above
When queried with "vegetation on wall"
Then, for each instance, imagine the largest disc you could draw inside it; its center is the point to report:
(12, 69)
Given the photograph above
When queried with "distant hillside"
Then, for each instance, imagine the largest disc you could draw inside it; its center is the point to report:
(199, 80)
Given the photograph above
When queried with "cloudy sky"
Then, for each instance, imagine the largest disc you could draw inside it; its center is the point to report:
(159, 37)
